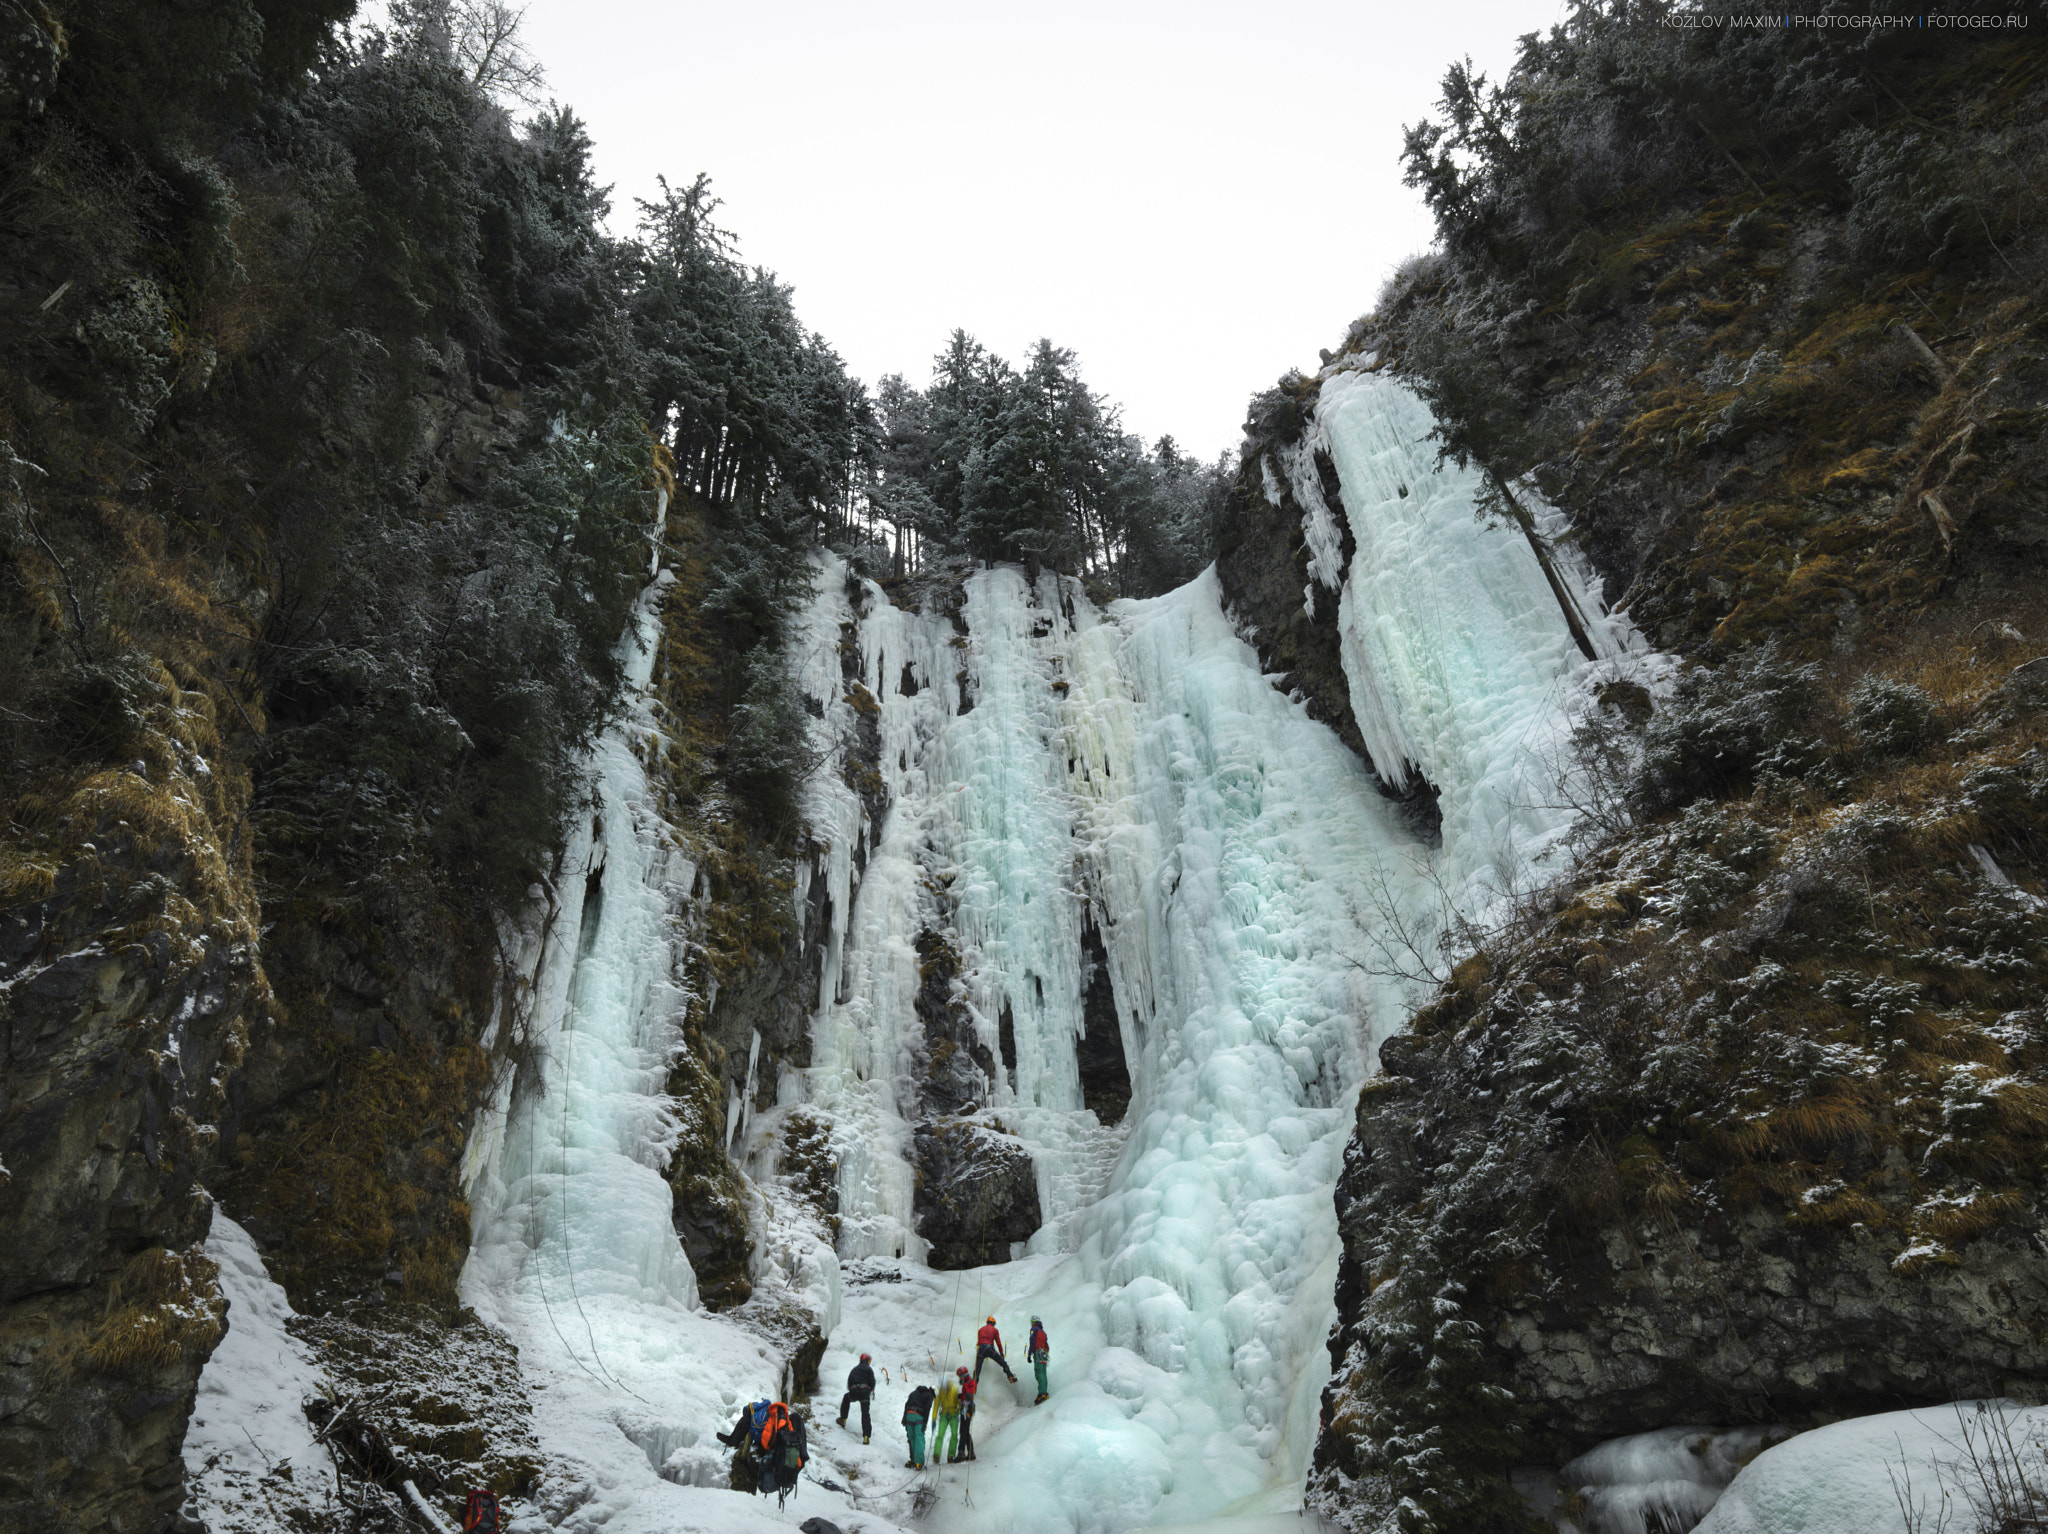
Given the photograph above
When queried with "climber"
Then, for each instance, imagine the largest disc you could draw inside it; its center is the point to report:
(948, 1422)
(989, 1344)
(783, 1451)
(1038, 1352)
(917, 1412)
(860, 1386)
(967, 1390)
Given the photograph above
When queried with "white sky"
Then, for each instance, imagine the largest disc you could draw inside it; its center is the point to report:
(1193, 196)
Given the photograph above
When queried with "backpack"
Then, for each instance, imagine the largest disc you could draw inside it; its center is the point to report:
(758, 1419)
(774, 1421)
(793, 1448)
(480, 1514)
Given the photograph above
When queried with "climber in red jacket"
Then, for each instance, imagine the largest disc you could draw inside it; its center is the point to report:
(989, 1344)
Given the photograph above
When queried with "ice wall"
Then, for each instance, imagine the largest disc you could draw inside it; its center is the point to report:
(1257, 895)
(574, 1252)
(977, 844)
(1457, 655)
(1043, 763)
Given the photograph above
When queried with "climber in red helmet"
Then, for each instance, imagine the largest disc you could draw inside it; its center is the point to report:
(967, 1389)
(860, 1386)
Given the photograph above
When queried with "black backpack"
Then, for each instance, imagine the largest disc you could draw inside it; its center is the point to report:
(480, 1514)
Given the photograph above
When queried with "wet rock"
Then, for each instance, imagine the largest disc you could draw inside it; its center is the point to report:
(977, 1192)
(1105, 1073)
(1263, 566)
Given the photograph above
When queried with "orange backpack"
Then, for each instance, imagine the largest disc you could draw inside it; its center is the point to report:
(776, 1421)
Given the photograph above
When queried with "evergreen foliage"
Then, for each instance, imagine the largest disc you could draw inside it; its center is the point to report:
(325, 384)
(1034, 466)
(1547, 187)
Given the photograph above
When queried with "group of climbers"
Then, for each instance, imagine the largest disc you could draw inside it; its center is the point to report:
(771, 1446)
(949, 1410)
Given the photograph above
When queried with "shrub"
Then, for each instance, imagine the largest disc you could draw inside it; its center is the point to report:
(1890, 717)
(1719, 727)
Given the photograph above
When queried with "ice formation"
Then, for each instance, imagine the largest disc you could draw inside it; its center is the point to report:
(1666, 1479)
(1048, 765)
(1133, 768)
(574, 1251)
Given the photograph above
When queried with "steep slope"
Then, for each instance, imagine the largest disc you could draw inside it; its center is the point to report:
(1740, 1121)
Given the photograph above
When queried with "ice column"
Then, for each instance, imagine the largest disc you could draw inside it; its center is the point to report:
(1457, 655)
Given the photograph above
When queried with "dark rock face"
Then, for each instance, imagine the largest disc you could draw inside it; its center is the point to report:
(343, 1144)
(708, 1203)
(1744, 1317)
(776, 998)
(1760, 1320)
(121, 1020)
(1262, 564)
(959, 1067)
(976, 1192)
(1105, 1074)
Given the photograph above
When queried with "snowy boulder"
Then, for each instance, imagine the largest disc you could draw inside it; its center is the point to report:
(977, 1192)
(1971, 1464)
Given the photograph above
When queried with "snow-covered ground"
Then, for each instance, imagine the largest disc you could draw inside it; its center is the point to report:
(1964, 1467)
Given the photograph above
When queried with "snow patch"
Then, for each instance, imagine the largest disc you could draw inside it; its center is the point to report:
(1860, 1476)
(249, 1446)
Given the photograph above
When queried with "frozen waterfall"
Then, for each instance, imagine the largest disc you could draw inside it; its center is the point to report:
(574, 1253)
(1048, 766)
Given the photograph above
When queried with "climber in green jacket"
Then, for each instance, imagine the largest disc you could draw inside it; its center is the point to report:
(1039, 1352)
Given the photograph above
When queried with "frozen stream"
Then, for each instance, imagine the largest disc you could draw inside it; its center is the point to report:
(1047, 765)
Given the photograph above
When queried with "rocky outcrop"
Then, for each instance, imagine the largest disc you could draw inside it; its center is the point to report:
(128, 993)
(977, 1192)
(1746, 1315)
(149, 1058)
(343, 1143)
(958, 1067)
(774, 995)
(1262, 562)
(1742, 1126)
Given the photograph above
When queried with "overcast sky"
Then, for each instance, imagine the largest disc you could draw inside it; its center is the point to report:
(1192, 196)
